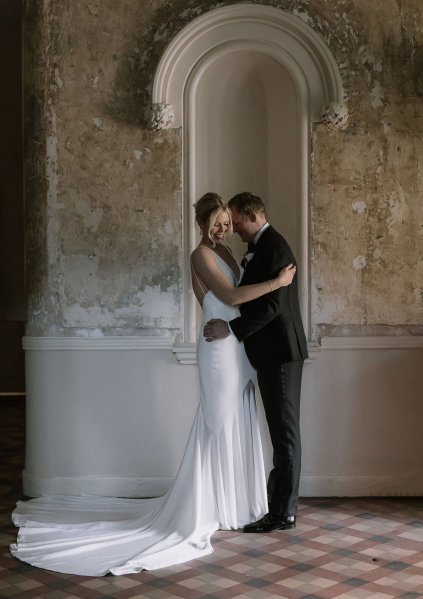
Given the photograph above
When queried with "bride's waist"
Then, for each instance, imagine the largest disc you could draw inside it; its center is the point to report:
(226, 314)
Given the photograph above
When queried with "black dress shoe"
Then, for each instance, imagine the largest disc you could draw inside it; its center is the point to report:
(271, 522)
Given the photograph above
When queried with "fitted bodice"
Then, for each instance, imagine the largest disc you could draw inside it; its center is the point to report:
(213, 307)
(223, 363)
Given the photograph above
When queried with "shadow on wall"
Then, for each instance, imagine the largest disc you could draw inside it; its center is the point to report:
(135, 72)
(136, 68)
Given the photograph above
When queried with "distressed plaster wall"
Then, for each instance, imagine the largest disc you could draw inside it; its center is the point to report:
(367, 188)
(103, 194)
(104, 206)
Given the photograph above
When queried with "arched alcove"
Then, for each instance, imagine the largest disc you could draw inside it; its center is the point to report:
(245, 82)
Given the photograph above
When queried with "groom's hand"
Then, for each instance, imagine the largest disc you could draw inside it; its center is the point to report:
(216, 329)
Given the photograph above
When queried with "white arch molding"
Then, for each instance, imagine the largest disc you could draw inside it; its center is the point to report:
(286, 48)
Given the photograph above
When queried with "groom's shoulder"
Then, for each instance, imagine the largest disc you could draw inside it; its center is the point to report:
(275, 243)
(271, 236)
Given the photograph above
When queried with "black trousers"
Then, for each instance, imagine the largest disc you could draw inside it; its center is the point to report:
(280, 388)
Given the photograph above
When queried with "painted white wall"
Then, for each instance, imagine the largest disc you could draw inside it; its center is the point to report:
(113, 421)
(247, 136)
(108, 419)
(361, 418)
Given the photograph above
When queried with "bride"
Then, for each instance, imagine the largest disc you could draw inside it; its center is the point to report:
(221, 481)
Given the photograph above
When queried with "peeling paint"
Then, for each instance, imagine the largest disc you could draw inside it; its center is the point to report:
(367, 57)
(153, 307)
(303, 15)
(52, 190)
(398, 209)
(59, 81)
(359, 207)
(376, 95)
(359, 262)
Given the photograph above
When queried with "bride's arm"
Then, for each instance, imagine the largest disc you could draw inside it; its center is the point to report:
(205, 266)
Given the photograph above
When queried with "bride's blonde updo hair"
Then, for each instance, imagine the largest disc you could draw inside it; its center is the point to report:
(206, 210)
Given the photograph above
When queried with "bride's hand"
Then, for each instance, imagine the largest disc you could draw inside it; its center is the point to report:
(286, 275)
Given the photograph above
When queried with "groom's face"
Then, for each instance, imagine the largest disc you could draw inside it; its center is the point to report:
(244, 225)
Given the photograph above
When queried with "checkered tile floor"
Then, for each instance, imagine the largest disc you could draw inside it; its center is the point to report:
(341, 548)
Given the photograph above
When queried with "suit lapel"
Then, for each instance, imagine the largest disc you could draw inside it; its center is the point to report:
(248, 275)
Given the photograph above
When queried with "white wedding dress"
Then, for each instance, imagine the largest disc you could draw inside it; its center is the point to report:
(220, 484)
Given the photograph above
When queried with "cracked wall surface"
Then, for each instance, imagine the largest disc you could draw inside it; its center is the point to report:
(367, 184)
(103, 193)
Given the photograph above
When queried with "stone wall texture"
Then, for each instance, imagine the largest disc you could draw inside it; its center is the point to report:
(103, 193)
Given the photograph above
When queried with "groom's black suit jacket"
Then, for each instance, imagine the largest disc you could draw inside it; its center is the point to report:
(271, 326)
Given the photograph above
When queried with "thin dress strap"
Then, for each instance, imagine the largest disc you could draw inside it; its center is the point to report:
(199, 282)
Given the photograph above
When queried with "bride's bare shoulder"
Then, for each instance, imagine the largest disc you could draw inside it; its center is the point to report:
(202, 250)
(200, 255)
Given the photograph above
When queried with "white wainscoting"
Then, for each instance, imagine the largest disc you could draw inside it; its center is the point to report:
(108, 416)
(111, 416)
(361, 417)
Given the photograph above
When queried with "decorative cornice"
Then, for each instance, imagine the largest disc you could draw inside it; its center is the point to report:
(160, 116)
(96, 343)
(334, 115)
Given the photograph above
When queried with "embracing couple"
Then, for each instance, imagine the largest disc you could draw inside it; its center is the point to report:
(221, 481)
(268, 322)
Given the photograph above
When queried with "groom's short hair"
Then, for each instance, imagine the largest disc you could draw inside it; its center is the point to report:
(246, 203)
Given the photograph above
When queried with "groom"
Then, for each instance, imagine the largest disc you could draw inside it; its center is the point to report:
(274, 340)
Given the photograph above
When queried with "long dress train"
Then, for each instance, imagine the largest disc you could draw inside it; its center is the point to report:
(220, 484)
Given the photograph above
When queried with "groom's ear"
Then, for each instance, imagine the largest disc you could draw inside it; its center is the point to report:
(252, 216)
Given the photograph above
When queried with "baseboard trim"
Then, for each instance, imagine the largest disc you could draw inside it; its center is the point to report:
(361, 486)
(310, 486)
(373, 342)
(106, 486)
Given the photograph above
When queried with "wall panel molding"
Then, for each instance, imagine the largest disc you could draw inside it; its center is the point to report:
(96, 343)
(373, 342)
(186, 353)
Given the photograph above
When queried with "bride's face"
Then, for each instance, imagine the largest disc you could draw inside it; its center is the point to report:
(219, 227)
